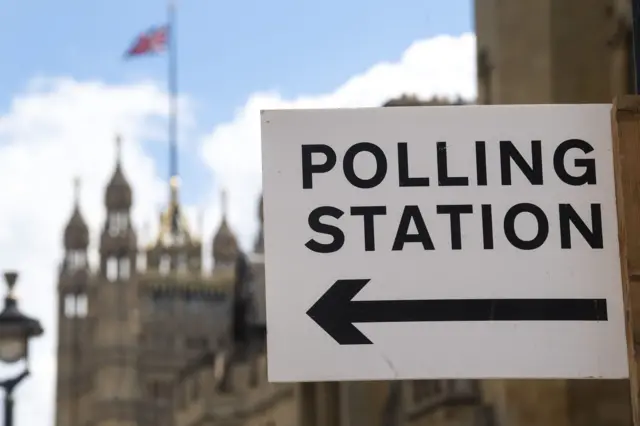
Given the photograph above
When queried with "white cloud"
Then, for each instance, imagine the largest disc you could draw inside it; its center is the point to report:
(61, 128)
(443, 66)
(55, 131)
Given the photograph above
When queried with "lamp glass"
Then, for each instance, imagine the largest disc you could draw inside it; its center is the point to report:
(12, 348)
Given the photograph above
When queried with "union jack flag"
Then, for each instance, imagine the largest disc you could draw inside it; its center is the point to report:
(154, 40)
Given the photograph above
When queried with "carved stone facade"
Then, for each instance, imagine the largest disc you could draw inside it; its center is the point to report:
(127, 329)
(548, 51)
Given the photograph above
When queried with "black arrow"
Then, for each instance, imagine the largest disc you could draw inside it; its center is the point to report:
(335, 311)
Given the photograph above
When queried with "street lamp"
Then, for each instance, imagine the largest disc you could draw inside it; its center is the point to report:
(15, 331)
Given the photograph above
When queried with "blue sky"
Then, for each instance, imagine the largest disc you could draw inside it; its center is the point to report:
(235, 58)
(227, 50)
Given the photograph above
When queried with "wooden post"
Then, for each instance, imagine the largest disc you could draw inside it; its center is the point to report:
(625, 119)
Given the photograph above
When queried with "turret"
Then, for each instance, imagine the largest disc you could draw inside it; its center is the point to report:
(225, 248)
(176, 249)
(76, 237)
(73, 311)
(118, 241)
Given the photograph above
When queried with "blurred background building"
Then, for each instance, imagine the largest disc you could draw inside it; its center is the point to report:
(151, 340)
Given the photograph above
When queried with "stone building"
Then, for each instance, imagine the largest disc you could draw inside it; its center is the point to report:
(228, 385)
(127, 329)
(550, 51)
(136, 365)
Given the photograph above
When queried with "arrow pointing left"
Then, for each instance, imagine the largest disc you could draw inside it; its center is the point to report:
(336, 311)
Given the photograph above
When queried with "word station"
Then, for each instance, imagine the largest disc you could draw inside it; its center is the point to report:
(589, 228)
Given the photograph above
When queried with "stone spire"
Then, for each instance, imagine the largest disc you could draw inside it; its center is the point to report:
(118, 196)
(225, 244)
(76, 233)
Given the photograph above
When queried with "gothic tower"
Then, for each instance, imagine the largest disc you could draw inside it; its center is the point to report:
(73, 323)
(225, 245)
(184, 310)
(127, 329)
(116, 389)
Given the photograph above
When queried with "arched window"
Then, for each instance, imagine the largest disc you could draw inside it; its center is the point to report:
(75, 305)
(118, 223)
(76, 260)
(112, 269)
(124, 272)
(165, 264)
(142, 262)
(82, 305)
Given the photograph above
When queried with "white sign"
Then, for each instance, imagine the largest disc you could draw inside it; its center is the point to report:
(442, 242)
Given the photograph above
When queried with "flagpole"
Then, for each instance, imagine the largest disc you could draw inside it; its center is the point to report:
(172, 74)
(173, 96)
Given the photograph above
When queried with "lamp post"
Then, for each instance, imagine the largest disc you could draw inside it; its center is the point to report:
(15, 331)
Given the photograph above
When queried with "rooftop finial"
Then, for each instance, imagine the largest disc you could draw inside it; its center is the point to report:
(118, 148)
(224, 203)
(76, 190)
